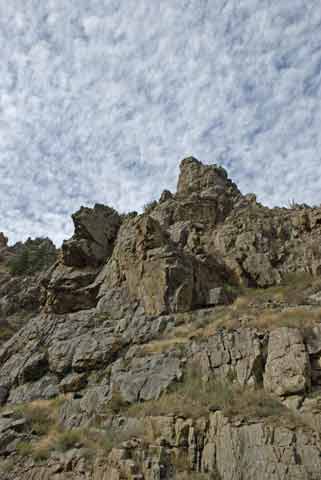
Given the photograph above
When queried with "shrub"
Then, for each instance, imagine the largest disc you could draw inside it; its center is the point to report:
(24, 448)
(149, 206)
(68, 439)
(32, 256)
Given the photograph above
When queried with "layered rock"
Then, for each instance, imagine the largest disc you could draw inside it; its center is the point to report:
(288, 368)
(158, 273)
(95, 233)
(70, 286)
(135, 304)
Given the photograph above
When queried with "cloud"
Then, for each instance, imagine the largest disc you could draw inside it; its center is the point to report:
(101, 99)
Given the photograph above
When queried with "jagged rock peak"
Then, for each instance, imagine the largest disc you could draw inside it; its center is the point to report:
(195, 177)
(95, 231)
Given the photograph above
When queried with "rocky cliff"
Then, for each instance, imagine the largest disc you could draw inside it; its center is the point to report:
(182, 343)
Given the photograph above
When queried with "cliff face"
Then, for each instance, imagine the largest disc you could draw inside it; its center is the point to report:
(184, 342)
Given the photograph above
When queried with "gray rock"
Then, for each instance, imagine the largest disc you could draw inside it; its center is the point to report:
(145, 378)
(45, 388)
(72, 383)
(260, 452)
(219, 296)
(235, 355)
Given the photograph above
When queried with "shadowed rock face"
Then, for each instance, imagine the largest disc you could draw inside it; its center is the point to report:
(3, 240)
(70, 286)
(95, 232)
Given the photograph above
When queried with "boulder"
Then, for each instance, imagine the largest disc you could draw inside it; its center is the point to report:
(95, 232)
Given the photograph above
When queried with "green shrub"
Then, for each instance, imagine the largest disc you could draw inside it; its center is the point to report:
(24, 448)
(149, 206)
(68, 439)
(32, 256)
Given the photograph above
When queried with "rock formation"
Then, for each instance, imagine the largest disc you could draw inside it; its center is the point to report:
(181, 343)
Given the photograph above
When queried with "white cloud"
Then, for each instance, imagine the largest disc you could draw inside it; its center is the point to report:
(100, 99)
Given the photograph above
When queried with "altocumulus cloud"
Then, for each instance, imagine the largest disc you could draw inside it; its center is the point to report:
(100, 99)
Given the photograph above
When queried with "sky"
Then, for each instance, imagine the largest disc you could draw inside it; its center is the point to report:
(101, 99)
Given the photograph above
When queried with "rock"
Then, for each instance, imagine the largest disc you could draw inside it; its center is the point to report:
(198, 178)
(34, 368)
(93, 353)
(219, 296)
(288, 369)
(145, 378)
(3, 240)
(166, 195)
(44, 388)
(3, 394)
(313, 340)
(71, 289)
(72, 383)
(95, 232)
(237, 355)
(156, 272)
(259, 452)
(259, 267)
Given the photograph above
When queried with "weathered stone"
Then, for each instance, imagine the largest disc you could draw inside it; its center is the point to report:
(258, 451)
(156, 272)
(198, 178)
(235, 355)
(219, 296)
(288, 368)
(166, 195)
(95, 232)
(145, 378)
(72, 383)
(91, 353)
(45, 388)
(72, 289)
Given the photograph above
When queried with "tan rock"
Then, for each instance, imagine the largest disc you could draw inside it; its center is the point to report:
(287, 368)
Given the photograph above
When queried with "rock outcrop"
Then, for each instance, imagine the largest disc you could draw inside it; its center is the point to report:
(182, 343)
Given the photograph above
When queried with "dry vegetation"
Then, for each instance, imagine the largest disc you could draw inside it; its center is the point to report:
(49, 436)
(194, 398)
(265, 309)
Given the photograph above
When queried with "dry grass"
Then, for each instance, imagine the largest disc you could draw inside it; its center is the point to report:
(195, 398)
(41, 415)
(164, 345)
(42, 418)
(266, 309)
(196, 476)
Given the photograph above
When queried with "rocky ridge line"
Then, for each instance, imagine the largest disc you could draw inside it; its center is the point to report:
(134, 303)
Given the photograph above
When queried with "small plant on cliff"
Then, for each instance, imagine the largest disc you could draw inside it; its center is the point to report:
(149, 206)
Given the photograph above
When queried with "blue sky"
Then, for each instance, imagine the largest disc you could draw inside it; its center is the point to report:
(101, 99)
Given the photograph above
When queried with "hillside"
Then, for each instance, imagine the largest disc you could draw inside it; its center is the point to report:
(182, 343)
